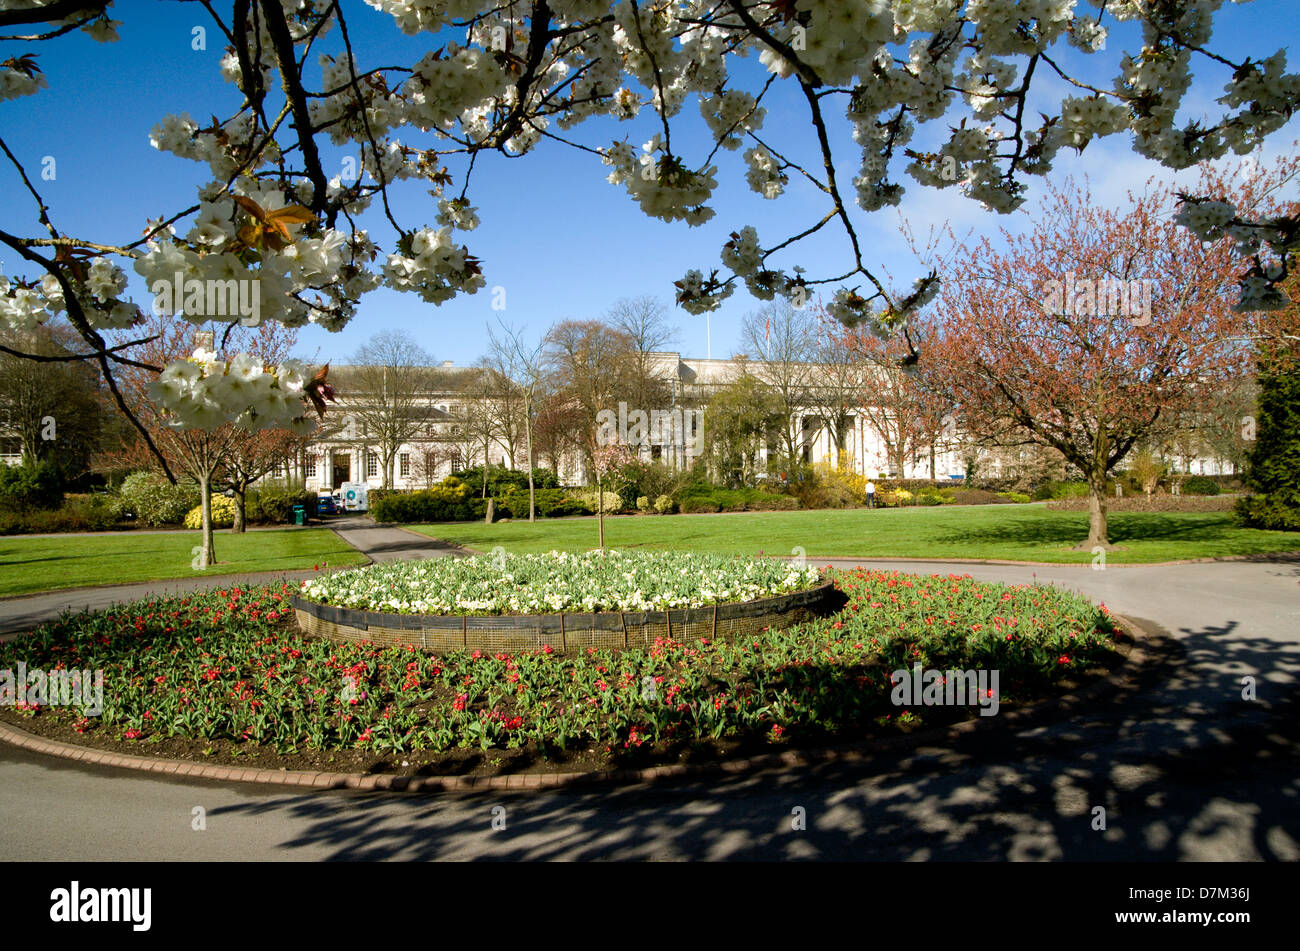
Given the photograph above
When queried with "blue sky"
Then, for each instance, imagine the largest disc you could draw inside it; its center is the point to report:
(559, 239)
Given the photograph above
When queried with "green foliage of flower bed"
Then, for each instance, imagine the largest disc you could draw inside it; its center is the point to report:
(601, 580)
(227, 665)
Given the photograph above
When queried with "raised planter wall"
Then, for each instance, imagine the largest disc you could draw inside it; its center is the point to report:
(563, 632)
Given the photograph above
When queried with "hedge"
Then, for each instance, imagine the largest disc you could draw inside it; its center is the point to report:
(428, 505)
(699, 497)
(1199, 485)
(29, 486)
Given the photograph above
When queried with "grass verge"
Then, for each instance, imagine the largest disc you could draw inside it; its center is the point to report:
(49, 563)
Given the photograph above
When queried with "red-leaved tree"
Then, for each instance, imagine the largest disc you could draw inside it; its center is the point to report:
(1097, 329)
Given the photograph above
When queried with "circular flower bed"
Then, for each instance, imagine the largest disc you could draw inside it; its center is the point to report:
(226, 675)
(591, 581)
(601, 599)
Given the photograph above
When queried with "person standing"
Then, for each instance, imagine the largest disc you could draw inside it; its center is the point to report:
(871, 494)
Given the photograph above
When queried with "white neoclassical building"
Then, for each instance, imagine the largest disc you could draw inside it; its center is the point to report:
(448, 440)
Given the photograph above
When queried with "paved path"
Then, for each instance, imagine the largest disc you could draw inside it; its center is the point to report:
(1183, 766)
(388, 543)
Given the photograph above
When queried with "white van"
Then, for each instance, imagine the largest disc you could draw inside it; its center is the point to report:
(355, 496)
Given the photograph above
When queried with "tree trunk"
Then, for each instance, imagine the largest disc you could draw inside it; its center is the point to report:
(207, 554)
(532, 494)
(931, 462)
(241, 506)
(1097, 533)
(600, 511)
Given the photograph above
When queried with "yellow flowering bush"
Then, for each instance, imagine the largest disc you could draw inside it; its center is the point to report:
(895, 497)
(223, 513)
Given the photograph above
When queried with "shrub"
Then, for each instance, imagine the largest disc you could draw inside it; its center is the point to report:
(1274, 459)
(1261, 511)
(701, 497)
(79, 513)
(1019, 498)
(223, 513)
(977, 497)
(771, 502)
(454, 501)
(272, 503)
(664, 505)
(551, 503)
(831, 487)
(1061, 490)
(501, 480)
(653, 479)
(28, 486)
(1157, 502)
(374, 495)
(1200, 485)
(642, 503)
(154, 501)
(613, 502)
(564, 505)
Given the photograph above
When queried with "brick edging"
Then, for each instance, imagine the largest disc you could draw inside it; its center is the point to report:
(1126, 676)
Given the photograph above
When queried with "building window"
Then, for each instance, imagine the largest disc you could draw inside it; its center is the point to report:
(404, 463)
(372, 465)
(311, 467)
(455, 460)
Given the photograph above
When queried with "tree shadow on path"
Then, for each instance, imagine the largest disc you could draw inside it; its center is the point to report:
(1184, 768)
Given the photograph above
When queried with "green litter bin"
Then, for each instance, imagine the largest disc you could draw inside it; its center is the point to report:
(299, 515)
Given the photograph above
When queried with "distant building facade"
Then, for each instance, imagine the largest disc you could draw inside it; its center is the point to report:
(346, 452)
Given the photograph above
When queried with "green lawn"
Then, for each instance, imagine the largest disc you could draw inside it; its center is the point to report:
(47, 563)
(1010, 532)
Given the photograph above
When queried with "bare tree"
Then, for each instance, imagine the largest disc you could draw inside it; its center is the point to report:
(644, 320)
(522, 366)
(50, 404)
(391, 381)
(782, 339)
(479, 426)
(591, 365)
(834, 394)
